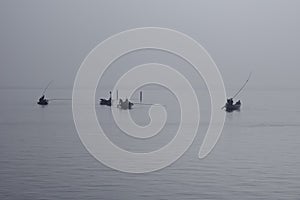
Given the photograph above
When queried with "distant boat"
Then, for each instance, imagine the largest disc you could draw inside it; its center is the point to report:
(125, 105)
(106, 102)
(230, 107)
(42, 101)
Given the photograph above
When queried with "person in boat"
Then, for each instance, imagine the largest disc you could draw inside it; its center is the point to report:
(230, 106)
(125, 105)
(107, 102)
(126, 101)
(121, 104)
(230, 101)
(42, 98)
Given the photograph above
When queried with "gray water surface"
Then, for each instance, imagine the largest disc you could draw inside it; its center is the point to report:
(257, 156)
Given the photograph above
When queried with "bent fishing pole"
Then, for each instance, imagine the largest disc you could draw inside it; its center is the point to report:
(47, 87)
(240, 90)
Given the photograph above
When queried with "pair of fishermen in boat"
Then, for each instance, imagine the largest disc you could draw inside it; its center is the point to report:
(230, 102)
(125, 105)
(230, 106)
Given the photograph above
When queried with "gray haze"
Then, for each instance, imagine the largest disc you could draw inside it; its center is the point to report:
(257, 156)
(45, 40)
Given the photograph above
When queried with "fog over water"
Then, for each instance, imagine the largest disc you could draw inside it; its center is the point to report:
(42, 40)
(257, 156)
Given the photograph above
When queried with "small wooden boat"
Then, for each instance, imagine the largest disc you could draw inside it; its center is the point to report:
(232, 107)
(125, 105)
(106, 102)
(43, 102)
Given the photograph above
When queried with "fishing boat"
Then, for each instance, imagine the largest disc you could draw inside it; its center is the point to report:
(106, 102)
(43, 102)
(233, 107)
(230, 106)
(125, 105)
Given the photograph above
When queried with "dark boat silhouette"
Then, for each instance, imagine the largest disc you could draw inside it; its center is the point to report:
(42, 101)
(106, 102)
(230, 107)
(125, 105)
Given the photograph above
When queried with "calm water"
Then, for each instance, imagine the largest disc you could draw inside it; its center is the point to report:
(257, 156)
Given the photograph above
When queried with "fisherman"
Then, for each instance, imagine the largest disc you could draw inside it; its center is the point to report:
(126, 101)
(230, 101)
(42, 98)
(125, 105)
(107, 102)
(42, 101)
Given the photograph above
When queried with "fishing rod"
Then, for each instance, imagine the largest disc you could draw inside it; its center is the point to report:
(47, 87)
(240, 90)
(61, 99)
(148, 104)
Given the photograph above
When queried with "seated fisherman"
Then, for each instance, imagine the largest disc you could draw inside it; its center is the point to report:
(42, 98)
(230, 101)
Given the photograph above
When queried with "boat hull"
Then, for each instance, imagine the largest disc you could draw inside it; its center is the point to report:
(125, 105)
(43, 102)
(105, 102)
(234, 107)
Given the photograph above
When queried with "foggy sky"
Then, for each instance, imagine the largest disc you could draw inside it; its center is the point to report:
(45, 40)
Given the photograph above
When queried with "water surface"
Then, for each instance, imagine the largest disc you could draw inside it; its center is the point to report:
(257, 156)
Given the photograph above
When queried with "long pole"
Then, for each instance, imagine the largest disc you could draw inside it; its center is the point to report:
(141, 96)
(238, 92)
(47, 87)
